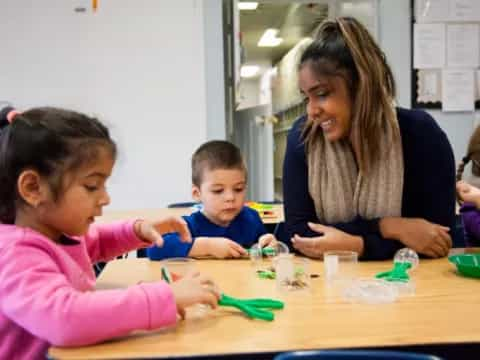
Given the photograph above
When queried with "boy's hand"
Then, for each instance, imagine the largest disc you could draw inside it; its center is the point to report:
(192, 289)
(267, 240)
(223, 248)
(150, 231)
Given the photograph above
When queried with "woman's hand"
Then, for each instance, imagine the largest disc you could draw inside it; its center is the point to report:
(420, 235)
(331, 239)
(150, 231)
(193, 289)
(468, 193)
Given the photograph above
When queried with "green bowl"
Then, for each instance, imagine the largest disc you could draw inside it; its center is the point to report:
(467, 264)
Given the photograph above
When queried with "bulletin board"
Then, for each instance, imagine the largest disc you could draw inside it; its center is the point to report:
(446, 54)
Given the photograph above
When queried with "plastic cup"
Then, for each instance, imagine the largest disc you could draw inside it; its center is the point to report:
(178, 267)
(261, 258)
(340, 270)
(292, 273)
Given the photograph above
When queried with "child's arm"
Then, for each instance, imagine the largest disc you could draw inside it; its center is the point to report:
(37, 296)
(218, 247)
(107, 241)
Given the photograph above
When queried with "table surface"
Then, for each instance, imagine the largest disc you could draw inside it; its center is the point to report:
(444, 310)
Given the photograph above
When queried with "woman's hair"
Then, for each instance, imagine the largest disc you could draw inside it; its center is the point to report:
(473, 153)
(50, 141)
(343, 47)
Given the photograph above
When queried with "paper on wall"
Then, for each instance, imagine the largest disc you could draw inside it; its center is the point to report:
(458, 90)
(429, 46)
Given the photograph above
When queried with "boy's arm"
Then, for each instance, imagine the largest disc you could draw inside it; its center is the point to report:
(37, 296)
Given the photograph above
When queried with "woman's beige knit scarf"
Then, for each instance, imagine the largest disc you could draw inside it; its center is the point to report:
(340, 192)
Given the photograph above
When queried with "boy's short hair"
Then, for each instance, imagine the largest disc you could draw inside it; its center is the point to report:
(215, 154)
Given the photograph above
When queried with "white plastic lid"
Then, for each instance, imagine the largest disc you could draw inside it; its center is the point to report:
(370, 291)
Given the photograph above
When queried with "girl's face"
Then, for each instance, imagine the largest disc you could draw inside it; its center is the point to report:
(83, 199)
(222, 193)
(328, 102)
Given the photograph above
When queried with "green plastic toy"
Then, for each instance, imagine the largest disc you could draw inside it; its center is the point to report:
(467, 264)
(266, 251)
(250, 307)
(253, 307)
(398, 273)
(266, 274)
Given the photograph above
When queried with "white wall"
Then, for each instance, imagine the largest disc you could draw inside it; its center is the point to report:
(214, 69)
(139, 65)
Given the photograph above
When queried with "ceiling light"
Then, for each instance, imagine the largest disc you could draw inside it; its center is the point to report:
(247, 5)
(270, 39)
(248, 71)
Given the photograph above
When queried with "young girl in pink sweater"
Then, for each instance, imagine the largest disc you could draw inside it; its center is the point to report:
(54, 165)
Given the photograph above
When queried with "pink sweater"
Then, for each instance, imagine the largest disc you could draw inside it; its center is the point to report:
(47, 292)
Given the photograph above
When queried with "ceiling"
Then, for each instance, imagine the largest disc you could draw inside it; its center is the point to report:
(294, 20)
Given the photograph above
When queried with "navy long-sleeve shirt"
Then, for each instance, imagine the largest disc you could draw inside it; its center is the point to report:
(245, 230)
(428, 186)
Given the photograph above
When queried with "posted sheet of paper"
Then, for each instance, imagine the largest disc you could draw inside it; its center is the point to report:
(463, 45)
(432, 11)
(429, 49)
(464, 10)
(458, 90)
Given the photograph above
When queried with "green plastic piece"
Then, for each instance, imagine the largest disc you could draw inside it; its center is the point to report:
(266, 274)
(467, 264)
(265, 251)
(166, 275)
(398, 273)
(252, 307)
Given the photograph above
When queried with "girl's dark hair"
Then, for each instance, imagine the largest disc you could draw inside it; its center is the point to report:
(343, 47)
(50, 141)
(473, 153)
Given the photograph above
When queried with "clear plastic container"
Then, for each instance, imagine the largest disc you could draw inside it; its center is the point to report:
(292, 273)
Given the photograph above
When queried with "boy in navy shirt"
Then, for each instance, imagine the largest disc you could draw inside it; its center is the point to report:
(224, 227)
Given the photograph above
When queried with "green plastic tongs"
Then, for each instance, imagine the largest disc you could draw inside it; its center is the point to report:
(250, 307)
(253, 307)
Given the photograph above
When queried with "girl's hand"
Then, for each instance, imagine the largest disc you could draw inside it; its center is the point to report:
(267, 240)
(331, 239)
(468, 193)
(150, 231)
(418, 234)
(194, 288)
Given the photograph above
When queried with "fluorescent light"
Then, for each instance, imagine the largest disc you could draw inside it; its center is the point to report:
(248, 71)
(247, 5)
(270, 39)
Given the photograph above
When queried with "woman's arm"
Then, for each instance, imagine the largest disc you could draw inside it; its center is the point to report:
(428, 206)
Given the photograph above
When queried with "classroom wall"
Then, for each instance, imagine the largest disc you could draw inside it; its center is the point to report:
(138, 65)
(395, 40)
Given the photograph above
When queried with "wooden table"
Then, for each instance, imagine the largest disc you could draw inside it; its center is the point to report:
(444, 310)
(109, 216)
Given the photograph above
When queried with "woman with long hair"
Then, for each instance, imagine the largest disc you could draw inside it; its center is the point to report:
(359, 173)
